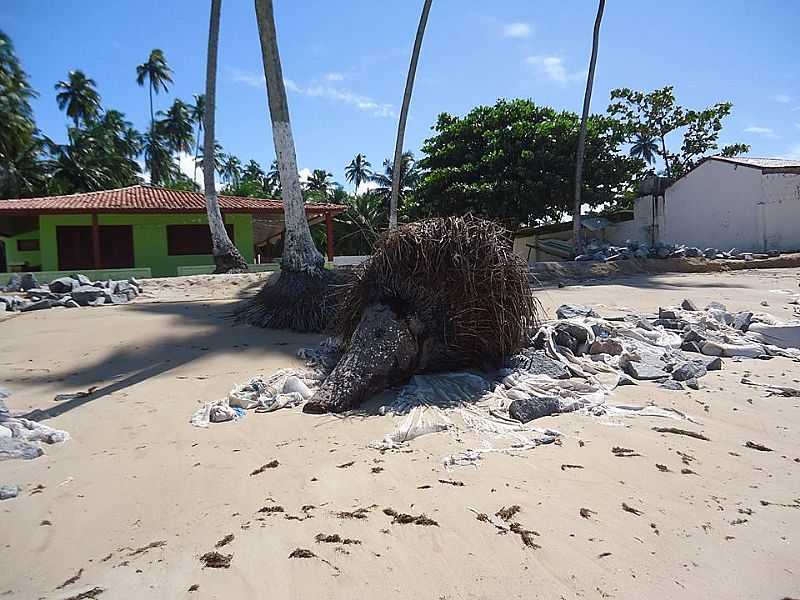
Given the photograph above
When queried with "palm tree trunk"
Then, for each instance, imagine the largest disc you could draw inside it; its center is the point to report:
(152, 125)
(401, 127)
(299, 252)
(587, 98)
(226, 256)
(196, 152)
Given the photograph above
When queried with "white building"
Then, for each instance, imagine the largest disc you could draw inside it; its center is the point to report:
(751, 204)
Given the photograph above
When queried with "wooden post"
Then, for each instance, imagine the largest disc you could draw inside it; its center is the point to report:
(95, 241)
(329, 229)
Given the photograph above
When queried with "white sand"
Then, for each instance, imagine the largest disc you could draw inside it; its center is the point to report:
(136, 472)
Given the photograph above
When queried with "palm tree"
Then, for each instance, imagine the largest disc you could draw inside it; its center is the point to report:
(318, 181)
(299, 297)
(358, 171)
(409, 177)
(158, 159)
(227, 257)
(644, 147)
(157, 73)
(216, 163)
(587, 98)
(230, 169)
(401, 127)
(253, 172)
(78, 95)
(274, 176)
(197, 112)
(175, 126)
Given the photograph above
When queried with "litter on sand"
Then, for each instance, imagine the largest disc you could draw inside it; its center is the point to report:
(19, 437)
(573, 363)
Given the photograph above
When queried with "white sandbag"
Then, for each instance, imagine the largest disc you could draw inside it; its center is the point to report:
(731, 350)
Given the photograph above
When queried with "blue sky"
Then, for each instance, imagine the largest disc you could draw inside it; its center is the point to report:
(345, 63)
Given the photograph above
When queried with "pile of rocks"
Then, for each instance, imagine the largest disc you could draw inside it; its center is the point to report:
(68, 292)
(602, 252)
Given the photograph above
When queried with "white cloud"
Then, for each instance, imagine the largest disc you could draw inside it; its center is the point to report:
(762, 131)
(327, 88)
(186, 165)
(516, 30)
(304, 174)
(782, 98)
(247, 78)
(552, 68)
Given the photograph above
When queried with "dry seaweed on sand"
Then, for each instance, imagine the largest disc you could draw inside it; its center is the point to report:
(270, 465)
(150, 546)
(224, 541)
(662, 468)
(631, 510)
(359, 513)
(757, 446)
(526, 535)
(620, 451)
(215, 560)
(508, 513)
(686, 432)
(587, 513)
(71, 580)
(452, 482)
(87, 595)
(437, 294)
(302, 553)
(334, 538)
(406, 519)
(564, 467)
(275, 508)
(302, 301)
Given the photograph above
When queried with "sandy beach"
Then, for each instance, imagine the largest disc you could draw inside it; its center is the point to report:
(137, 496)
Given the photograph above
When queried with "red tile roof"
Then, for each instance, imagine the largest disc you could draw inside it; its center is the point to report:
(151, 199)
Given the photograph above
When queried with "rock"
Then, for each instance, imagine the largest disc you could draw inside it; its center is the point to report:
(606, 346)
(28, 281)
(123, 287)
(3, 307)
(688, 370)
(693, 383)
(18, 448)
(716, 306)
(8, 491)
(533, 408)
(14, 283)
(693, 252)
(116, 298)
(97, 302)
(730, 350)
(741, 320)
(711, 363)
(644, 371)
(563, 338)
(663, 252)
(63, 285)
(580, 334)
(667, 314)
(695, 347)
(764, 303)
(710, 252)
(570, 311)
(687, 304)
(40, 305)
(536, 361)
(671, 384)
(39, 293)
(692, 335)
(86, 294)
(82, 279)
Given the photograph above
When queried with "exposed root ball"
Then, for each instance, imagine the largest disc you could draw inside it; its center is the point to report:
(436, 295)
(302, 301)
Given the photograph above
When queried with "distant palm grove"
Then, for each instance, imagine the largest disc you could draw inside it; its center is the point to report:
(512, 162)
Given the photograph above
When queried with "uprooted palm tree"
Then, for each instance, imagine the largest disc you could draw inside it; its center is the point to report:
(227, 257)
(436, 295)
(298, 297)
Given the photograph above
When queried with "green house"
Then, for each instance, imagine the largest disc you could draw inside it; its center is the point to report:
(134, 228)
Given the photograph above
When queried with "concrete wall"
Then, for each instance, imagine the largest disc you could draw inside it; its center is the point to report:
(781, 198)
(149, 239)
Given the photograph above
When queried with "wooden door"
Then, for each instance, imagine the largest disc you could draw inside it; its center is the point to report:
(116, 246)
(74, 243)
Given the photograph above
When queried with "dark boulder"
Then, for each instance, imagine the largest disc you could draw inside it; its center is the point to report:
(570, 311)
(86, 294)
(536, 361)
(534, 408)
(63, 285)
(28, 281)
(688, 370)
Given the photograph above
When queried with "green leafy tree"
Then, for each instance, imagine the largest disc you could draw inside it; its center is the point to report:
(656, 115)
(514, 162)
(358, 171)
(78, 95)
(157, 74)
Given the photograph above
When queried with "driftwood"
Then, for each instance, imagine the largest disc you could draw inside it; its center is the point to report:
(436, 295)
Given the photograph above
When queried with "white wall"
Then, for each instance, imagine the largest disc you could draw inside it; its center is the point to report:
(714, 206)
(781, 198)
